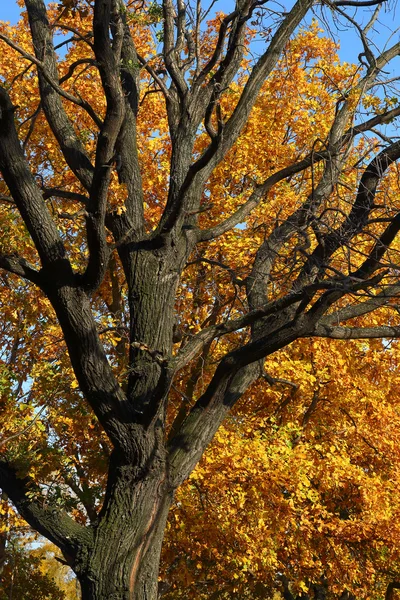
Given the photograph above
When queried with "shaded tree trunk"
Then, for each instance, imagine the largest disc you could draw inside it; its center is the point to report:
(122, 562)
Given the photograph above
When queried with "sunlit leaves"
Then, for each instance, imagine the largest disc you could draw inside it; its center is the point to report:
(301, 481)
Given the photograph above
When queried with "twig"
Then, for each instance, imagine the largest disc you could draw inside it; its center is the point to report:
(14, 435)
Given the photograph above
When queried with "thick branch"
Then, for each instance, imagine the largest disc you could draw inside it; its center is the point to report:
(169, 51)
(272, 308)
(95, 376)
(108, 57)
(61, 126)
(362, 308)
(394, 585)
(19, 266)
(355, 333)
(25, 191)
(239, 368)
(356, 220)
(45, 518)
(126, 145)
(229, 381)
(72, 306)
(218, 46)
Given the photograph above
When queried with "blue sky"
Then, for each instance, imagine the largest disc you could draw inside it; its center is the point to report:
(349, 41)
(9, 11)
(350, 46)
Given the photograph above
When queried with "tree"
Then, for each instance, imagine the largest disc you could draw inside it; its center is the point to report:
(298, 499)
(54, 568)
(22, 578)
(21, 572)
(122, 213)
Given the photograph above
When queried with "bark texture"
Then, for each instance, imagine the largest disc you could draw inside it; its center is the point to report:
(123, 562)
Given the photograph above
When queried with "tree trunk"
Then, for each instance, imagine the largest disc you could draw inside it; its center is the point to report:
(123, 561)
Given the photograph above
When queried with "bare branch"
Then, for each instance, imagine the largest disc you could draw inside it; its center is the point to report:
(57, 193)
(11, 437)
(356, 4)
(54, 84)
(77, 34)
(73, 66)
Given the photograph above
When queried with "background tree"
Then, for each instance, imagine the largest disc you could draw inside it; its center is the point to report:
(300, 498)
(21, 568)
(22, 578)
(176, 208)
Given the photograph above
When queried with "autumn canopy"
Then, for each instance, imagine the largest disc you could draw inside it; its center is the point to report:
(199, 283)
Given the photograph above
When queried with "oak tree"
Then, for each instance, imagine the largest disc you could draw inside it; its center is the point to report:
(185, 194)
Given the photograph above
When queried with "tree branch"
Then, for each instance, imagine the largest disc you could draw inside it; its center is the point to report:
(312, 158)
(126, 145)
(19, 266)
(362, 308)
(356, 220)
(72, 67)
(60, 124)
(26, 193)
(394, 585)
(169, 50)
(200, 171)
(355, 333)
(356, 4)
(72, 306)
(57, 193)
(52, 82)
(45, 518)
(271, 308)
(108, 58)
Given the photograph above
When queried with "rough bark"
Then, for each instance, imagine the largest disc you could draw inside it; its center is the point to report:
(123, 562)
